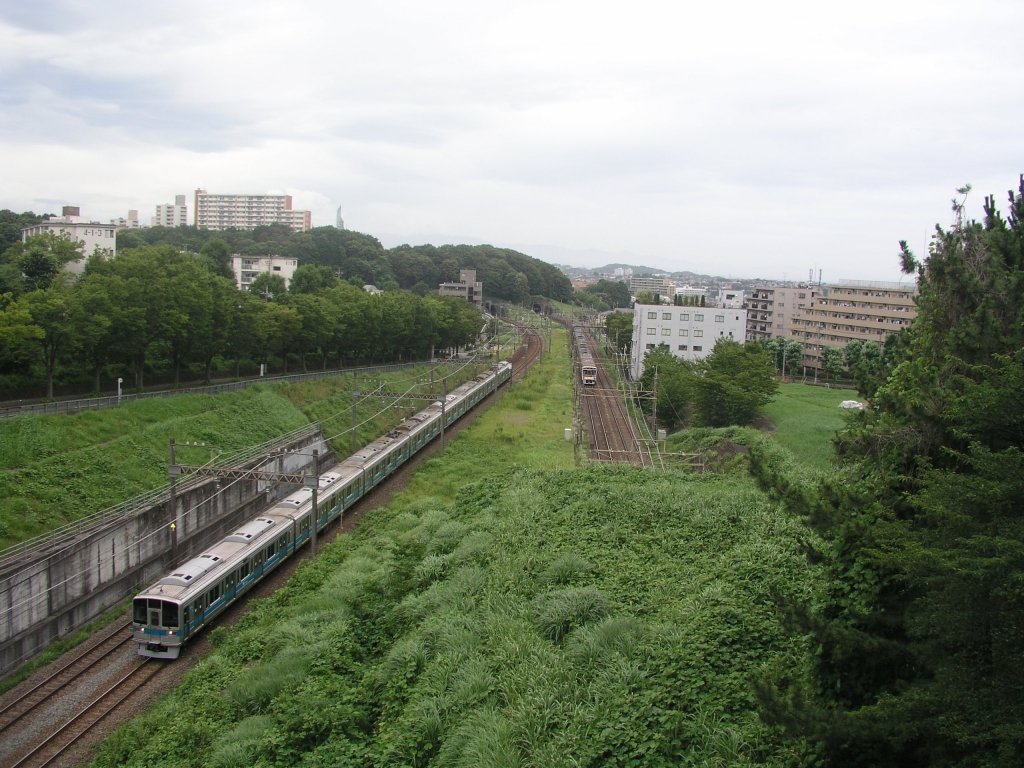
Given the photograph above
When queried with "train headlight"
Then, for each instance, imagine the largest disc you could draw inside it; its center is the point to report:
(170, 631)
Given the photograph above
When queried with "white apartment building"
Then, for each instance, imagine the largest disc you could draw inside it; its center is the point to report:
(246, 268)
(689, 332)
(92, 235)
(248, 212)
(172, 215)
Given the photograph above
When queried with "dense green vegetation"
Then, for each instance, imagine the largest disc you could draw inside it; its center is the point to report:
(158, 309)
(56, 469)
(729, 386)
(509, 610)
(922, 646)
(806, 420)
(506, 274)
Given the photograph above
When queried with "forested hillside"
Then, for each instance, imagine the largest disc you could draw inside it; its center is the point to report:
(506, 274)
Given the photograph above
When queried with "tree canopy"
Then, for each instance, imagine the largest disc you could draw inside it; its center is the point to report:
(922, 644)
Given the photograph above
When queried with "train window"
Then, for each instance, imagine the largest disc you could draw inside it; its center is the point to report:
(304, 525)
(170, 614)
(243, 572)
(214, 594)
(139, 610)
(282, 542)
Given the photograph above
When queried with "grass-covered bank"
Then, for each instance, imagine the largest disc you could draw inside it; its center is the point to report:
(56, 469)
(508, 609)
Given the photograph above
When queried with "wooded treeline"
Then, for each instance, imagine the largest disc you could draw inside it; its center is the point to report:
(158, 310)
(506, 274)
(921, 659)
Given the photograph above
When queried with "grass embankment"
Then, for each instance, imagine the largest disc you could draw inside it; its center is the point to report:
(806, 419)
(509, 610)
(56, 469)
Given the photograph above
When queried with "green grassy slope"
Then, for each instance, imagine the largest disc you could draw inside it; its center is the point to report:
(59, 468)
(56, 469)
(509, 610)
(806, 419)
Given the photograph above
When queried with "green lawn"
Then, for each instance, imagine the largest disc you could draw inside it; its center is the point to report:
(806, 419)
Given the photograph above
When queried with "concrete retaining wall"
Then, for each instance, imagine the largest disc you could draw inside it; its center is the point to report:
(46, 599)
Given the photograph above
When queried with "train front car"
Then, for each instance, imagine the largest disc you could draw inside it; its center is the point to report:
(589, 375)
(156, 625)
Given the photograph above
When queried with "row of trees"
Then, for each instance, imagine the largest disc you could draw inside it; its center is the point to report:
(921, 643)
(729, 386)
(155, 308)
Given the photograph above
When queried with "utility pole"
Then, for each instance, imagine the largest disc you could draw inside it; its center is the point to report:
(355, 394)
(654, 408)
(174, 513)
(316, 509)
(444, 403)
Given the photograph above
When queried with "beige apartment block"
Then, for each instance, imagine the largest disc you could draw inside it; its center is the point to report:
(215, 211)
(854, 310)
(772, 311)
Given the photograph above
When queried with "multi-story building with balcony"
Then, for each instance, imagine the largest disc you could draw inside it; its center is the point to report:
(854, 310)
(246, 268)
(468, 287)
(248, 212)
(176, 215)
(689, 332)
(663, 287)
(771, 312)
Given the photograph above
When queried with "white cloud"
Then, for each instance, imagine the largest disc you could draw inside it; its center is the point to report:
(744, 138)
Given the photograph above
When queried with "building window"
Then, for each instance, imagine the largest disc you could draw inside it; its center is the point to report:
(651, 331)
(666, 316)
(652, 315)
(650, 346)
(682, 347)
(684, 332)
(666, 331)
(719, 318)
(698, 332)
(685, 317)
(699, 318)
(698, 348)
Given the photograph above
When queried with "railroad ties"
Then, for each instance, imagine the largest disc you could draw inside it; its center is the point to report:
(611, 434)
(86, 688)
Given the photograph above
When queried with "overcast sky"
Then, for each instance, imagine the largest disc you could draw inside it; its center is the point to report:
(743, 139)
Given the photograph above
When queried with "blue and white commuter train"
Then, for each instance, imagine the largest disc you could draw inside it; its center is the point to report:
(179, 605)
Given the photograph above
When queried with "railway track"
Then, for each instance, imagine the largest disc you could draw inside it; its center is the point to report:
(527, 354)
(54, 740)
(85, 659)
(53, 746)
(611, 434)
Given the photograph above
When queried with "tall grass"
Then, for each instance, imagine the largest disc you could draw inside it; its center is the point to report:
(507, 613)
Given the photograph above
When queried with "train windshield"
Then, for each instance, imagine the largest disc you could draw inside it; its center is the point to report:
(161, 613)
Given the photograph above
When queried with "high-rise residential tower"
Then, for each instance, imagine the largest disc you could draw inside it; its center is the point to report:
(248, 212)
